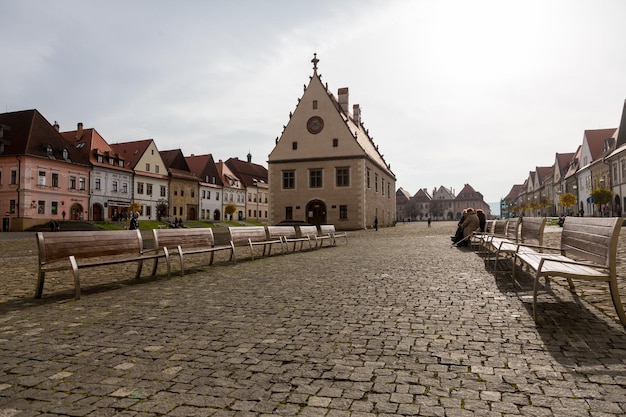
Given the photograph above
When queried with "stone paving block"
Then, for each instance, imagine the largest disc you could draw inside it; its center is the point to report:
(418, 328)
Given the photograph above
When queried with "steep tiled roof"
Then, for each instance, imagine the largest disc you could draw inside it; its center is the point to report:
(91, 143)
(247, 172)
(515, 192)
(596, 141)
(422, 195)
(27, 132)
(132, 151)
(203, 167)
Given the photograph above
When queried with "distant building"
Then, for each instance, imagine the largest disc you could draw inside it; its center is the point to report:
(43, 176)
(443, 205)
(150, 180)
(183, 185)
(210, 186)
(326, 168)
(254, 179)
(110, 181)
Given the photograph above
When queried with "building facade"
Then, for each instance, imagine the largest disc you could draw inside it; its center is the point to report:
(43, 177)
(325, 168)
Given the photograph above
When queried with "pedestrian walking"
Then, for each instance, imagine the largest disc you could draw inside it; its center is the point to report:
(429, 221)
(376, 223)
(134, 221)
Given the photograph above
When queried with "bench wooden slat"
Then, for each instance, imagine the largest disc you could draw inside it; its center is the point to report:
(76, 250)
(252, 236)
(588, 251)
(189, 242)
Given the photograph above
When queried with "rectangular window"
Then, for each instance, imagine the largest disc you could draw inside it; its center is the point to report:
(208, 195)
(343, 177)
(148, 211)
(382, 186)
(369, 185)
(175, 190)
(343, 212)
(217, 195)
(41, 207)
(203, 194)
(156, 169)
(54, 208)
(376, 182)
(81, 183)
(111, 161)
(100, 158)
(182, 191)
(125, 187)
(163, 191)
(72, 182)
(314, 104)
(294, 145)
(335, 142)
(315, 178)
(147, 167)
(114, 186)
(289, 213)
(289, 179)
(149, 189)
(388, 190)
(12, 206)
(41, 181)
(180, 211)
(13, 177)
(97, 184)
(140, 188)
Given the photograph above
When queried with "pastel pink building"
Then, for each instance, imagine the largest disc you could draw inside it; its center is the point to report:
(43, 176)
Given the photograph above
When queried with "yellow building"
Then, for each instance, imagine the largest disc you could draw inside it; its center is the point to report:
(325, 168)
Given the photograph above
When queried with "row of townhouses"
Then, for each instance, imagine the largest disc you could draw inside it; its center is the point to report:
(598, 164)
(46, 174)
(444, 204)
(324, 168)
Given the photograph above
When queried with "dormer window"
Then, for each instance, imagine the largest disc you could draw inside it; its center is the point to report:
(66, 154)
(99, 158)
(50, 151)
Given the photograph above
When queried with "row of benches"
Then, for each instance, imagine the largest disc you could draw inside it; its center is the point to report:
(76, 250)
(587, 251)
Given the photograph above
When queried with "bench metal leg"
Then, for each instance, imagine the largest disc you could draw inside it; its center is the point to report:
(76, 278)
(617, 302)
(39, 285)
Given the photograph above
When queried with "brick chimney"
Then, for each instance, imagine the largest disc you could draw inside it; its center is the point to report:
(343, 99)
(79, 131)
(356, 114)
(56, 126)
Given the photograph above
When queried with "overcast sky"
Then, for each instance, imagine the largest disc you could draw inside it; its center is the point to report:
(453, 92)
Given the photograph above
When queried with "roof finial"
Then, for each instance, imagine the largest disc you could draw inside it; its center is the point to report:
(315, 61)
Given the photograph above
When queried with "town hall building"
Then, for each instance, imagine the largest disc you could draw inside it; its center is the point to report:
(326, 169)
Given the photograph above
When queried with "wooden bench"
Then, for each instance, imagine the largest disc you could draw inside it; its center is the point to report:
(499, 230)
(588, 251)
(477, 237)
(189, 242)
(252, 236)
(289, 235)
(511, 234)
(329, 230)
(310, 232)
(531, 232)
(77, 250)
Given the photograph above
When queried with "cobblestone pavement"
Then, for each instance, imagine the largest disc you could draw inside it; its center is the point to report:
(394, 323)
